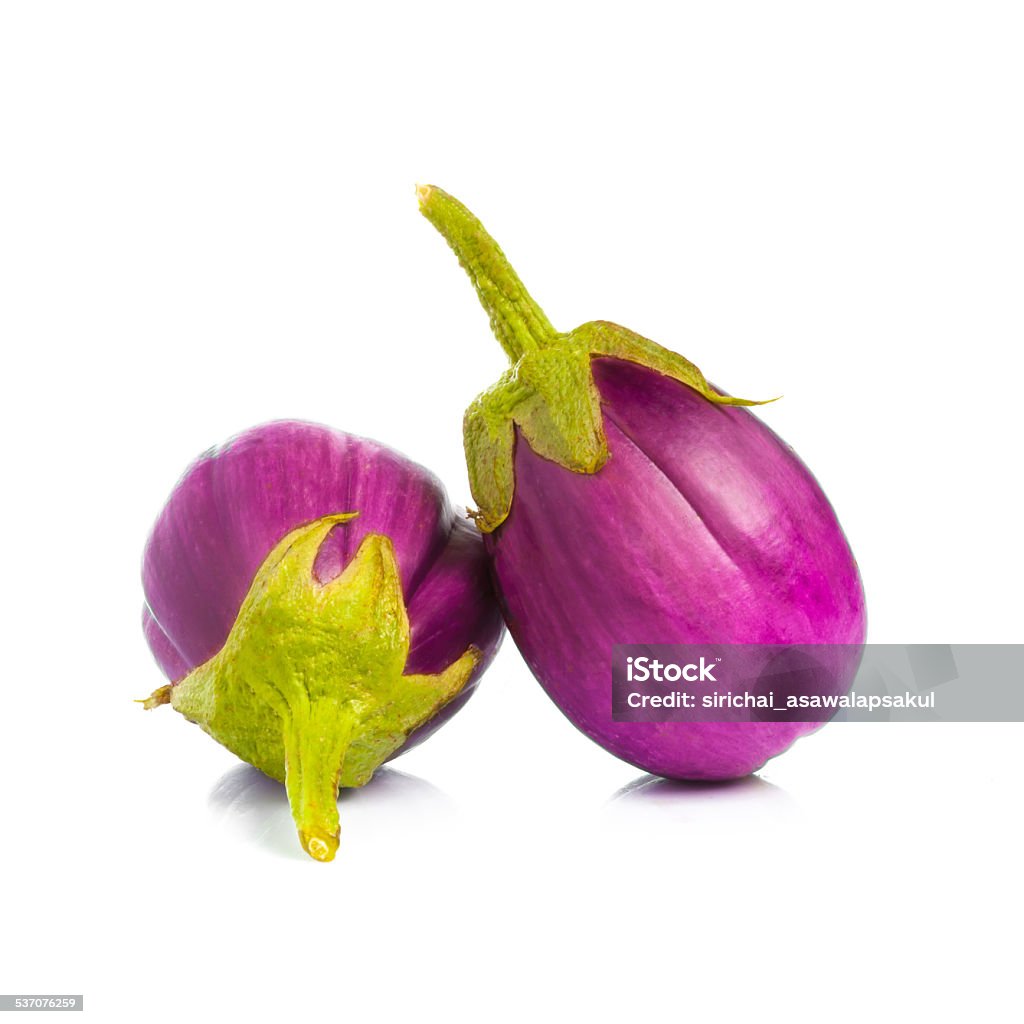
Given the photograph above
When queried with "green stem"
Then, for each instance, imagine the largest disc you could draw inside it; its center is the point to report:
(517, 321)
(316, 738)
(549, 397)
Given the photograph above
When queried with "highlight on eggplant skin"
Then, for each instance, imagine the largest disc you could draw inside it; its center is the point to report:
(626, 500)
(318, 606)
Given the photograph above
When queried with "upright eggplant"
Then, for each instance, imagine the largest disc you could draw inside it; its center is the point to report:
(318, 606)
(625, 500)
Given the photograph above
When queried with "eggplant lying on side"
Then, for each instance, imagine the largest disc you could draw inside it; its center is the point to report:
(318, 606)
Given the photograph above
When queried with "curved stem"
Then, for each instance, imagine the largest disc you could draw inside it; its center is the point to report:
(315, 748)
(517, 321)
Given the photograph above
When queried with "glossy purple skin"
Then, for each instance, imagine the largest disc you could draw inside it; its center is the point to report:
(703, 526)
(237, 501)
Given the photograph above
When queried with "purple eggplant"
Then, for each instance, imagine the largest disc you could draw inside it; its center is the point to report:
(318, 606)
(625, 500)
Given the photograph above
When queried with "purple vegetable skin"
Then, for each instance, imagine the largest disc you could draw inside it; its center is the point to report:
(626, 501)
(387, 602)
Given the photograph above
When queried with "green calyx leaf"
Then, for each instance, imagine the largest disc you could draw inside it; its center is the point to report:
(549, 393)
(309, 686)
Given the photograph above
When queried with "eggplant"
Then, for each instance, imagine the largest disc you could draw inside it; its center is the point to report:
(625, 500)
(318, 606)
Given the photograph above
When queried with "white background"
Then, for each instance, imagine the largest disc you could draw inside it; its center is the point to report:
(207, 220)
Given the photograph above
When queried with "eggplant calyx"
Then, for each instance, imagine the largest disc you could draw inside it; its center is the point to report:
(549, 394)
(310, 686)
(161, 695)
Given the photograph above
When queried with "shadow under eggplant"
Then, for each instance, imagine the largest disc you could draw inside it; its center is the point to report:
(736, 801)
(255, 807)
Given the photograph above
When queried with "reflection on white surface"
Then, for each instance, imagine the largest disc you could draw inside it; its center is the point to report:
(256, 809)
(738, 802)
